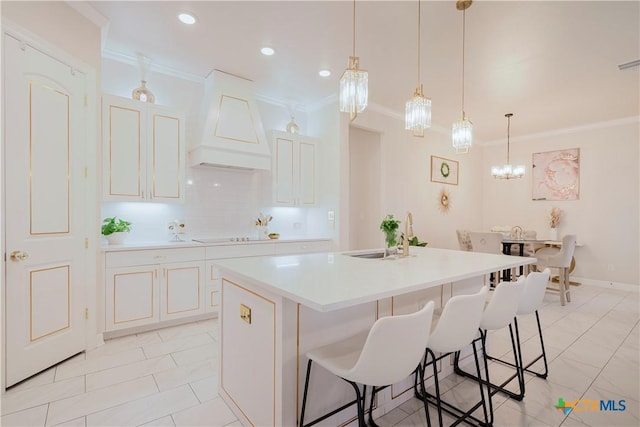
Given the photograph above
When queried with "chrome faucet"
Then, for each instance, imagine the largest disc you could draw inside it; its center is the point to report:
(408, 234)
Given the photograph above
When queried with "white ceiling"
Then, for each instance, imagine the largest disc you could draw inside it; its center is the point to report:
(551, 63)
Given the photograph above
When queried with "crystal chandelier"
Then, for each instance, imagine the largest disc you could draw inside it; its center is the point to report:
(354, 83)
(462, 130)
(508, 171)
(418, 109)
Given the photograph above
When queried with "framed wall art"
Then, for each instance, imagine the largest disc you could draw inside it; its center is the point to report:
(444, 170)
(556, 175)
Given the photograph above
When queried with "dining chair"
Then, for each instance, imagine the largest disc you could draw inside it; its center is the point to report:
(464, 240)
(391, 351)
(562, 261)
(487, 243)
(456, 329)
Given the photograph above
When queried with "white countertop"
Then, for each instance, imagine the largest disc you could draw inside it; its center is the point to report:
(191, 244)
(331, 281)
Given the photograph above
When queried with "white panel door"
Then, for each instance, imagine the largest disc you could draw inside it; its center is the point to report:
(44, 142)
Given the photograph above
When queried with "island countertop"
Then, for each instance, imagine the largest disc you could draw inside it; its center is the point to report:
(336, 280)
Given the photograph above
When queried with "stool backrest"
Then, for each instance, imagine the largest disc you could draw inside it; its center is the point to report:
(459, 322)
(503, 305)
(563, 258)
(490, 243)
(533, 293)
(394, 348)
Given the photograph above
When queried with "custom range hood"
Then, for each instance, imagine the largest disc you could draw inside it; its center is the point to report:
(232, 133)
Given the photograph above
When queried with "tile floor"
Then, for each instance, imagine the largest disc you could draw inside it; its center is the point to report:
(168, 377)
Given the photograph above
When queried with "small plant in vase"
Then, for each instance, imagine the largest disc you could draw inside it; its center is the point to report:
(389, 227)
(115, 230)
(554, 220)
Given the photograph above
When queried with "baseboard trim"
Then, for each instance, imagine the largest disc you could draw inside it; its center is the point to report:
(609, 285)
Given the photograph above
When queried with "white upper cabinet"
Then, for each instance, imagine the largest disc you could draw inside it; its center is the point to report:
(295, 170)
(143, 151)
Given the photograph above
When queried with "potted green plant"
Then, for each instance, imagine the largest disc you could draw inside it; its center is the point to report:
(389, 227)
(115, 230)
(414, 241)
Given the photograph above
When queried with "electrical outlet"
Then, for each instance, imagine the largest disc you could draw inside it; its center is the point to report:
(331, 216)
(610, 267)
(297, 225)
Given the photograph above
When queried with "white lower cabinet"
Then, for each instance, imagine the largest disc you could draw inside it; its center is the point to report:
(182, 290)
(149, 286)
(131, 297)
(145, 287)
(212, 289)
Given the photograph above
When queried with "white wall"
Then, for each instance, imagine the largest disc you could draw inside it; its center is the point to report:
(606, 216)
(364, 185)
(406, 180)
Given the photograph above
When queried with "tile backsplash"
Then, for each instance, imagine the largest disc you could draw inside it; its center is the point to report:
(218, 203)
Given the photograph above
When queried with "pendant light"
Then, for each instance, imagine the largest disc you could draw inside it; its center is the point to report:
(418, 109)
(462, 131)
(142, 93)
(507, 171)
(354, 83)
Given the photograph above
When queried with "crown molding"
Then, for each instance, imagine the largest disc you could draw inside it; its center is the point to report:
(158, 68)
(569, 130)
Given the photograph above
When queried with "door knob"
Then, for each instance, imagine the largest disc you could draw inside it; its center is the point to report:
(19, 256)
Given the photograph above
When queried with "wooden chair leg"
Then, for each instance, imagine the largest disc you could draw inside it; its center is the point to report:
(567, 284)
(561, 286)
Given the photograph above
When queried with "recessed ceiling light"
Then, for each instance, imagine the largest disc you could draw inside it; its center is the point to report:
(187, 18)
(324, 73)
(267, 51)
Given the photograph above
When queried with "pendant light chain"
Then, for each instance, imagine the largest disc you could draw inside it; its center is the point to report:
(464, 14)
(354, 28)
(508, 133)
(419, 26)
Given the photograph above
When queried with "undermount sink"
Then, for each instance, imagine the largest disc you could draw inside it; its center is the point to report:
(368, 255)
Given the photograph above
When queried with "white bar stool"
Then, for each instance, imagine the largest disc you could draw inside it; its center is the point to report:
(390, 352)
(498, 314)
(531, 299)
(456, 328)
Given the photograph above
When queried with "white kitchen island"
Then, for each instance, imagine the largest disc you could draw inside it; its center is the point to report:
(275, 308)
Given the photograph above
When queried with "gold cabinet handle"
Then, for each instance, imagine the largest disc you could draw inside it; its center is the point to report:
(19, 256)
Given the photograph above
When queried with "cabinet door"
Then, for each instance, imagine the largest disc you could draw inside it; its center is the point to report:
(166, 156)
(131, 297)
(212, 288)
(306, 173)
(182, 292)
(124, 149)
(283, 171)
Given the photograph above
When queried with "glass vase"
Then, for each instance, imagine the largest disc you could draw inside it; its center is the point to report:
(391, 245)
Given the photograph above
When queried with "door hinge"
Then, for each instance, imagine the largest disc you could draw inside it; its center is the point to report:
(86, 243)
(86, 313)
(86, 171)
(86, 101)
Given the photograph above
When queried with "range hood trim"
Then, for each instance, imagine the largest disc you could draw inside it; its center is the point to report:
(230, 119)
